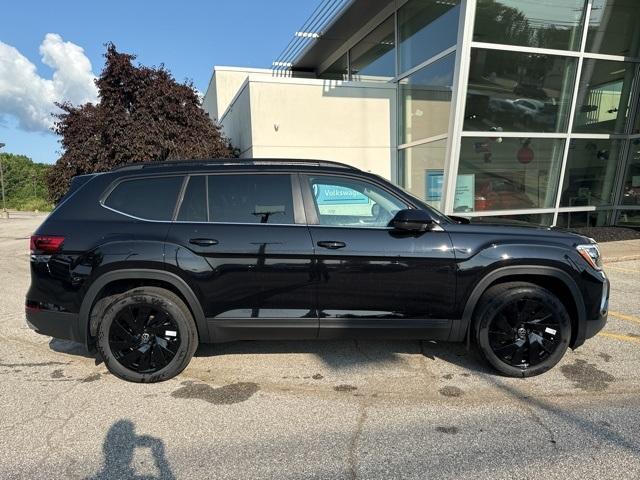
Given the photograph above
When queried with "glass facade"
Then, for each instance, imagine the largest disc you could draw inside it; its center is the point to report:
(373, 58)
(425, 28)
(507, 173)
(556, 24)
(515, 91)
(425, 101)
(533, 113)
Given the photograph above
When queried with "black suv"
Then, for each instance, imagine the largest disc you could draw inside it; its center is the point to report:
(146, 261)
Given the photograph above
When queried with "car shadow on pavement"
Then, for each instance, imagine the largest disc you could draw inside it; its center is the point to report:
(348, 353)
(73, 348)
(119, 447)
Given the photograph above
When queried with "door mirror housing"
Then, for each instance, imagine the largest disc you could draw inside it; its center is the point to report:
(412, 220)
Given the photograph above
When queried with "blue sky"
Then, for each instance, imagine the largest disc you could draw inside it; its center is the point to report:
(189, 37)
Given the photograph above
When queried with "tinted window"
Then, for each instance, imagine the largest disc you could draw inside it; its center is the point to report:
(147, 198)
(250, 199)
(613, 28)
(194, 203)
(346, 202)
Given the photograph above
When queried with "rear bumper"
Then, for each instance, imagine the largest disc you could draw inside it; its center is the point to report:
(62, 325)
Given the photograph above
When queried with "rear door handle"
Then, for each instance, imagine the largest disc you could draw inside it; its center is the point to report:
(333, 245)
(204, 242)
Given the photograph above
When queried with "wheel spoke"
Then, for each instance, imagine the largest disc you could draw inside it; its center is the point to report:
(516, 359)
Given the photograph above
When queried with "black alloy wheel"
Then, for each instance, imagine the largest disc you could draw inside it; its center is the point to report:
(147, 334)
(522, 329)
(143, 338)
(524, 333)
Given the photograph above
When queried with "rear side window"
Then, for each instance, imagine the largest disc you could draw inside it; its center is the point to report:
(250, 199)
(151, 198)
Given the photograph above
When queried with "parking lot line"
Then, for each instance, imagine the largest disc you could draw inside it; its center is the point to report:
(622, 316)
(617, 336)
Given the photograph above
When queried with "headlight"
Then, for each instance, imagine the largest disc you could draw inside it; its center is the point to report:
(591, 254)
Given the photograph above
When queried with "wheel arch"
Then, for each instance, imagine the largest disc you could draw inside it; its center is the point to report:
(554, 279)
(133, 278)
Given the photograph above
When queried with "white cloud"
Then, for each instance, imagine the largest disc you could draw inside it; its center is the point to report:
(30, 98)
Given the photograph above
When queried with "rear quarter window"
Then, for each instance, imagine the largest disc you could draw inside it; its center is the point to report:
(150, 198)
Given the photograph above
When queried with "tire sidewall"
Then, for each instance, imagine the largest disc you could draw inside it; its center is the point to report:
(188, 338)
(530, 293)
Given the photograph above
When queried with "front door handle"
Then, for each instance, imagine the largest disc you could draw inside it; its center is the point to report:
(204, 242)
(332, 245)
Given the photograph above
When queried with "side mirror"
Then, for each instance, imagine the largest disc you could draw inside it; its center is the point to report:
(411, 220)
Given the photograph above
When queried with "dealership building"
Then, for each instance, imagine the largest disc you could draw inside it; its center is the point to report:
(521, 109)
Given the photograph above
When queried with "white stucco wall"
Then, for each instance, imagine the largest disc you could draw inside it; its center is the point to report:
(274, 117)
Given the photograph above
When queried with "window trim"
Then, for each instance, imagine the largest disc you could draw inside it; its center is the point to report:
(310, 205)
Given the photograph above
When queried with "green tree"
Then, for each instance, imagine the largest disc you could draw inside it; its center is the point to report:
(25, 182)
(143, 115)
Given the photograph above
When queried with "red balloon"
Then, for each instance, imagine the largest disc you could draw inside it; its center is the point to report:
(525, 155)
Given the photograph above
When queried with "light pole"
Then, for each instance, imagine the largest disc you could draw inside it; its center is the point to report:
(5, 214)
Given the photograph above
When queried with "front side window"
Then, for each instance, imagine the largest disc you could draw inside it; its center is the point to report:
(345, 202)
(151, 198)
(251, 198)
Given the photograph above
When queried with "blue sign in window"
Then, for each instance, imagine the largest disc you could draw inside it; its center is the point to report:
(337, 195)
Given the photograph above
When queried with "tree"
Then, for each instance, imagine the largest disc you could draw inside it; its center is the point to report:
(25, 182)
(142, 115)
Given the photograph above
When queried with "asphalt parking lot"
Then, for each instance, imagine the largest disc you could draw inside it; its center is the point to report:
(366, 409)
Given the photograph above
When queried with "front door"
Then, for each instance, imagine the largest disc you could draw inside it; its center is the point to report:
(248, 254)
(372, 279)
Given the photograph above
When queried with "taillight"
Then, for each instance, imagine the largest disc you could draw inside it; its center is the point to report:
(46, 244)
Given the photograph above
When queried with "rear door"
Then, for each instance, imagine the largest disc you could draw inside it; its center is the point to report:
(372, 279)
(242, 240)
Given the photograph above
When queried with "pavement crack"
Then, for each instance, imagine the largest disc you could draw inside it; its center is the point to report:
(538, 420)
(352, 451)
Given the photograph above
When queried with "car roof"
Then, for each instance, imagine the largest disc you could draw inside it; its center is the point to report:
(268, 164)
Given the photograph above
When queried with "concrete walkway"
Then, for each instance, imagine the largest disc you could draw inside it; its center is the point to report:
(620, 251)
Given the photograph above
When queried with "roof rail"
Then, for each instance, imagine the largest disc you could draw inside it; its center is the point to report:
(232, 161)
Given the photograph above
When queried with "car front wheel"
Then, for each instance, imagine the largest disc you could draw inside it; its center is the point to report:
(522, 329)
(147, 335)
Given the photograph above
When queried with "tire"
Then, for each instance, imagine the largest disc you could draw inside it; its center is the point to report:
(146, 335)
(522, 329)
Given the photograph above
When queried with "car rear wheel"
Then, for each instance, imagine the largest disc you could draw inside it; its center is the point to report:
(147, 335)
(522, 329)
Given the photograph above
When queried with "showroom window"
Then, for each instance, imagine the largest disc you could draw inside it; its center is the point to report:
(590, 172)
(604, 96)
(425, 101)
(507, 173)
(515, 91)
(373, 58)
(613, 28)
(631, 182)
(556, 25)
(422, 171)
(426, 28)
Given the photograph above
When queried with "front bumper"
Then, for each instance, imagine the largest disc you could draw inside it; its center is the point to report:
(62, 325)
